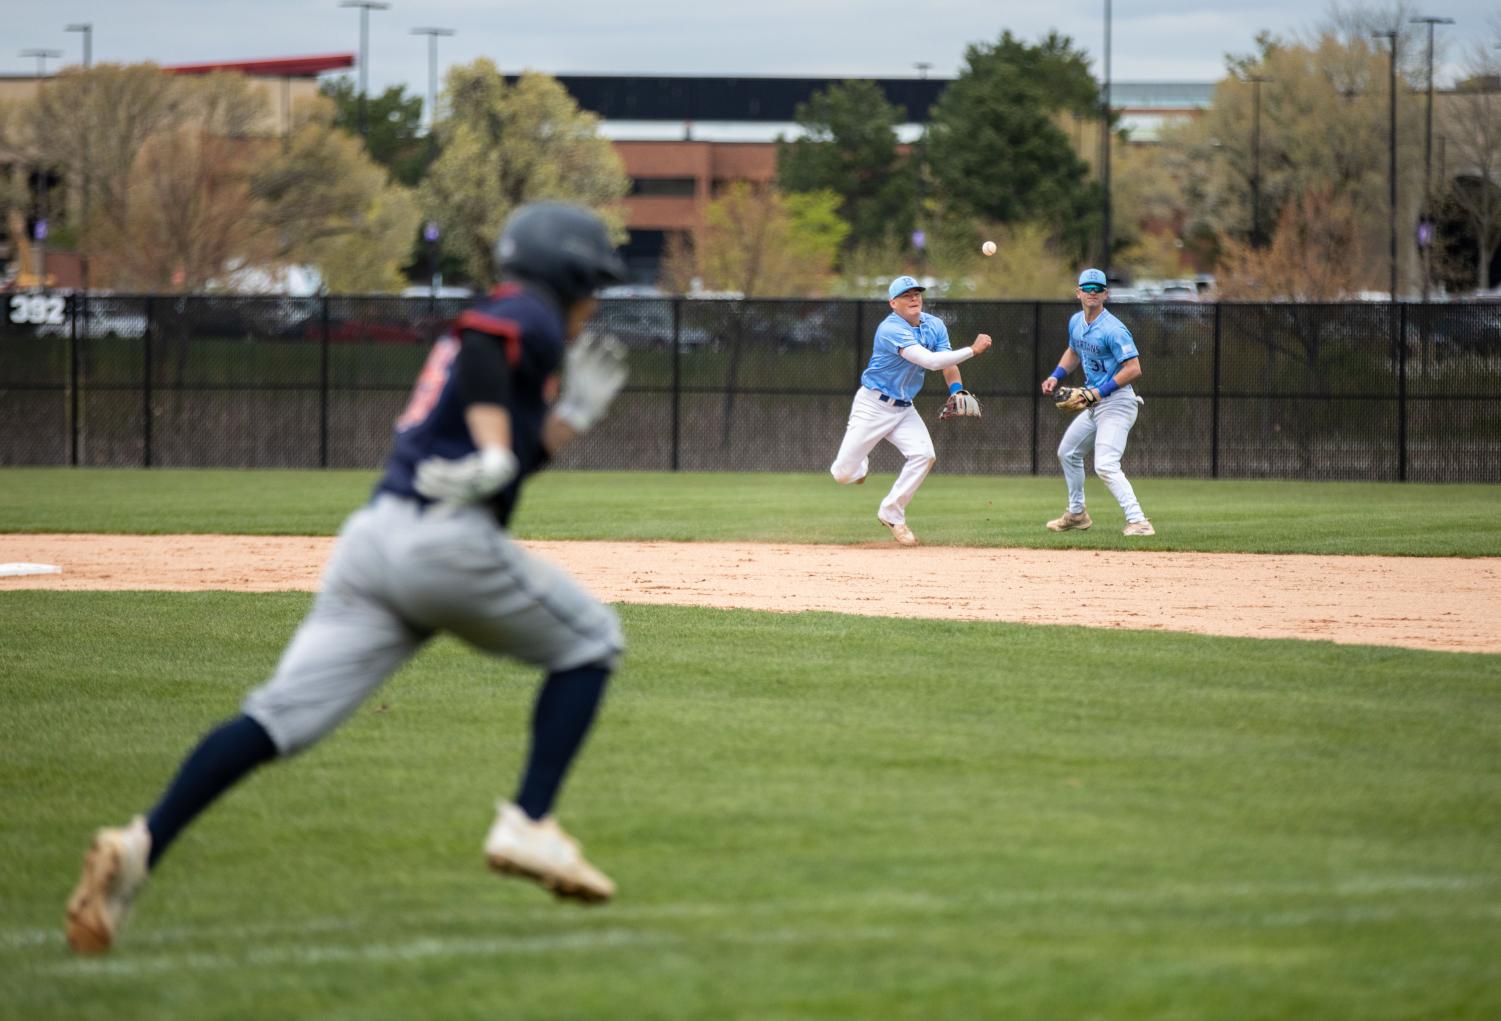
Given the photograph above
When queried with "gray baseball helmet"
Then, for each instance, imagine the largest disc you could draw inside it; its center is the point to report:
(562, 246)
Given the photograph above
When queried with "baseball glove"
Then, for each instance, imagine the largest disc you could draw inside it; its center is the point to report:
(961, 404)
(1075, 398)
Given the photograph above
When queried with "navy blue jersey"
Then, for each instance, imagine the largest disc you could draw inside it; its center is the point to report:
(506, 350)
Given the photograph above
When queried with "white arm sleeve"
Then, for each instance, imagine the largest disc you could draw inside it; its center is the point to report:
(932, 360)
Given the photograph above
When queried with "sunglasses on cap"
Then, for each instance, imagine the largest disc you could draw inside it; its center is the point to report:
(1091, 288)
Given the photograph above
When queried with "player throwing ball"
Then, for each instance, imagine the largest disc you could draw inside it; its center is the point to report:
(431, 553)
(1107, 404)
(908, 343)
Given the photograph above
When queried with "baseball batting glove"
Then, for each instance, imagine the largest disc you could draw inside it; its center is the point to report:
(594, 373)
(961, 404)
(465, 479)
(1075, 398)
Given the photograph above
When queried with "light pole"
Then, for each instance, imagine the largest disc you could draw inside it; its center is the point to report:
(1425, 222)
(87, 30)
(919, 235)
(432, 80)
(430, 230)
(365, 6)
(1392, 168)
(1105, 155)
(1256, 82)
(41, 59)
(39, 232)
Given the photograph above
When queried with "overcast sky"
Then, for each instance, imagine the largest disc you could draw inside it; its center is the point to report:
(1152, 40)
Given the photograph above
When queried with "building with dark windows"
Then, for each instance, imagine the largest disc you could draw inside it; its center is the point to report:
(682, 139)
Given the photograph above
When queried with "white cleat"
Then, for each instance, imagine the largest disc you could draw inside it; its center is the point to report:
(1142, 527)
(114, 870)
(1070, 521)
(540, 850)
(901, 533)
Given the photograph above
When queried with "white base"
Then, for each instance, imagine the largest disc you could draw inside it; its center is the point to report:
(15, 570)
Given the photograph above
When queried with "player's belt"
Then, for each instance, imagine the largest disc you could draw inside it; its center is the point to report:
(888, 399)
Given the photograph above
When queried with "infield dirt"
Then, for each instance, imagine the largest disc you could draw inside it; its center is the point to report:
(1421, 603)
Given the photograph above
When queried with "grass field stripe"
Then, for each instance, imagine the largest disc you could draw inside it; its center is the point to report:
(429, 947)
(1353, 888)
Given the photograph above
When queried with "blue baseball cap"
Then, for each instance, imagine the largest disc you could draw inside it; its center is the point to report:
(1093, 276)
(903, 284)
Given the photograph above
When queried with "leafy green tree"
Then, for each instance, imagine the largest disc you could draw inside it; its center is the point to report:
(995, 147)
(328, 203)
(393, 122)
(502, 145)
(850, 148)
(760, 243)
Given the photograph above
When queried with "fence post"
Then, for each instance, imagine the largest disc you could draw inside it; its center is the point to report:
(1214, 401)
(1036, 375)
(323, 387)
(73, 376)
(677, 379)
(1402, 391)
(146, 382)
(859, 332)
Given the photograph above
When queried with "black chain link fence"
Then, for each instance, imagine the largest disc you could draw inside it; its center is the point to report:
(1334, 391)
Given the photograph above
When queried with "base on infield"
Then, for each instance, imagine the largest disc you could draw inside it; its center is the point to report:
(18, 569)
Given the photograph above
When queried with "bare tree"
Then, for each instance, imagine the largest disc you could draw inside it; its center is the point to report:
(1471, 123)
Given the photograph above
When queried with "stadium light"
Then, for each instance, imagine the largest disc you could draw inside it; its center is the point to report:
(1425, 229)
(365, 6)
(1256, 83)
(1105, 155)
(41, 59)
(432, 76)
(87, 29)
(1391, 34)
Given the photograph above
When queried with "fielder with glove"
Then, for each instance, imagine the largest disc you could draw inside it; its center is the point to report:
(1099, 342)
(961, 404)
(908, 343)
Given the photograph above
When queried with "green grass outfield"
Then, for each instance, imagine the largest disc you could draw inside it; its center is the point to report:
(809, 816)
(1190, 514)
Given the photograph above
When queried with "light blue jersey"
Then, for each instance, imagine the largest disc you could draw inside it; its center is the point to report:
(892, 374)
(1101, 346)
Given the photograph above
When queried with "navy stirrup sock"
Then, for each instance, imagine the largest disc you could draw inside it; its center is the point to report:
(561, 718)
(217, 764)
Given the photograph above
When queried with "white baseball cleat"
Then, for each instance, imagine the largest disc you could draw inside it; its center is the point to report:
(1070, 520)
(540, 850)
(1142, 527)
(114, 870)
(901, 533)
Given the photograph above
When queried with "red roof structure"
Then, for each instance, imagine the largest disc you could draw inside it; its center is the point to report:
(274, 67)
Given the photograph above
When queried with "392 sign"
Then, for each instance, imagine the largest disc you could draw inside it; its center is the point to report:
(38, 309)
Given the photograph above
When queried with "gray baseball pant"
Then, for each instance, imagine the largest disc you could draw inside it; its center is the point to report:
(400, 573)
(1105, 427)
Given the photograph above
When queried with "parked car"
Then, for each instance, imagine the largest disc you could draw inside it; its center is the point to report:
(648, 324)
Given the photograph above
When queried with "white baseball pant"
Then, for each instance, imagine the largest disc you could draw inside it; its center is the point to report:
(871, 421)
(1104, 427)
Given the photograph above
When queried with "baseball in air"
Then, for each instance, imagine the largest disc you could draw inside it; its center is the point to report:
(988, 248)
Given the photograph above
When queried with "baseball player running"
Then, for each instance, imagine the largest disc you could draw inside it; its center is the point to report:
(1102, 344)
(907, 343)
(431, 553)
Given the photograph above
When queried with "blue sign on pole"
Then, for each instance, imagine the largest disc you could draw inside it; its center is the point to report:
(1425, 233)
(919, 239)
(430, 231)
(40, 233)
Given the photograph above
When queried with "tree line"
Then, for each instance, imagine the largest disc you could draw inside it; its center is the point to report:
(1280, 187)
